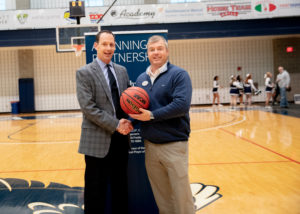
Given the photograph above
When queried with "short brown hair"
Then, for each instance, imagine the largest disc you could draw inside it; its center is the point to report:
(156, 38)
(101, 32)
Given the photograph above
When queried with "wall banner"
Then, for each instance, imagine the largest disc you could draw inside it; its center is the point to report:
(152, 13)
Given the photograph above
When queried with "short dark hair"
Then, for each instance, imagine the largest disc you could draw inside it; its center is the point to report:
(101, 32)
(216, 77)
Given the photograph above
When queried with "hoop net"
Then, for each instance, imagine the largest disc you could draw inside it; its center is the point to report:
(78, 49)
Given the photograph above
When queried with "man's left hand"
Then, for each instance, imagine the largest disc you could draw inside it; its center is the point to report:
(143, 116)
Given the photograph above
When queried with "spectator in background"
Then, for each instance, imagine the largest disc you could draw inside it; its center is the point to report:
(269, 88)
(275, 94)
(215, 91)
(234, 91)
(241, 89)
(283, 80)
(249, 88)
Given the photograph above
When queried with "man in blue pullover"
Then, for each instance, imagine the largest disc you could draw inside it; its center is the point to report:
(166, 128)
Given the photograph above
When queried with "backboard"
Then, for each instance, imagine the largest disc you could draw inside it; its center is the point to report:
(68, 37)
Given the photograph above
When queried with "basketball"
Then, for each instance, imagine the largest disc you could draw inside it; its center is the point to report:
(134, 98)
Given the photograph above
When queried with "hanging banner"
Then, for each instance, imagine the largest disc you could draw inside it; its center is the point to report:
(152, 13)
(131, 52)
(228, 10)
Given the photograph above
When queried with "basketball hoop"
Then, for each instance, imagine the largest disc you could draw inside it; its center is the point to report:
(78, 49)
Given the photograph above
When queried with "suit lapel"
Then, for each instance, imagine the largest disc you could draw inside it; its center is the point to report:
(98, 73)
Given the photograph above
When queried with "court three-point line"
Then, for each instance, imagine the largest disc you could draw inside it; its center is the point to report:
(256, 144)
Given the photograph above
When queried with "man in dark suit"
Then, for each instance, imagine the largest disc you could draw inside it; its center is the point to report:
(104, 133)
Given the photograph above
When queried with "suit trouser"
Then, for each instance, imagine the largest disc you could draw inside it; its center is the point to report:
(167, 169)
(100, 172)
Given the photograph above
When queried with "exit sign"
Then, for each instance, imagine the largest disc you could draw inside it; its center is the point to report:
(289, 49)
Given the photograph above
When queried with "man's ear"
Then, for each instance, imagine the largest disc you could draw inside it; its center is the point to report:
(95, 45)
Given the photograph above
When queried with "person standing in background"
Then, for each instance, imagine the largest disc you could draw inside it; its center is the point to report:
(104, 137)
(241, 89)
(215, 91)
(165, 127)
(248, 87)
(276, 91)
(283, 80)
(234, 91)
(275, 94)
(269, 88)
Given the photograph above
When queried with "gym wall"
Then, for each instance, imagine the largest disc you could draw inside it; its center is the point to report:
(54, 73)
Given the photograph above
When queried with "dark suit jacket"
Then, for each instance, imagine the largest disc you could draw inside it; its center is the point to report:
(96, 104)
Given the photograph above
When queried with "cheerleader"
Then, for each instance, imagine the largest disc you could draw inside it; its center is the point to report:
(215, 91)
(248, 86)
(234, 91)
(241, 89)
(269, 88)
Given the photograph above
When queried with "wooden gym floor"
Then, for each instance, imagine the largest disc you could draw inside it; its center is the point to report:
(241, 161)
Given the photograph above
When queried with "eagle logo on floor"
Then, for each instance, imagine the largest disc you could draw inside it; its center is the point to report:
(20, 196)
(204, 194)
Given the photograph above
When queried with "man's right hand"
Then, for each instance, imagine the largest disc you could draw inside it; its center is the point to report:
(125, 127)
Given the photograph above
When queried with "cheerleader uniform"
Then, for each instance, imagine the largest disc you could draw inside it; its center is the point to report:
(248, 87)
(215, 87)
(234, 88)
(241, 89)
(269, 85)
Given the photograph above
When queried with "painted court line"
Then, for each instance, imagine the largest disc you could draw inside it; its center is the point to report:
(236, 163)
(39, 143)
(41, 170)
(222, 126)
(256, 144)
(196, 164)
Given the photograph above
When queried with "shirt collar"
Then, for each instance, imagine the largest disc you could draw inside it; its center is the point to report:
(102, 64)
(162, 69)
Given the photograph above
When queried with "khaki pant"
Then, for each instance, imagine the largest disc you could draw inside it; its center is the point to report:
(167, 169)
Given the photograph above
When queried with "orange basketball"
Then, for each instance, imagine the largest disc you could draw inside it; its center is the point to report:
(134, 98)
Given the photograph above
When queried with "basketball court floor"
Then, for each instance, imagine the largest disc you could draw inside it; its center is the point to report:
(241, 161)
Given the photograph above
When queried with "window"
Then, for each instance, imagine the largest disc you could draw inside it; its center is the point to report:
(92, 3)
(2, 4)
(184, 1)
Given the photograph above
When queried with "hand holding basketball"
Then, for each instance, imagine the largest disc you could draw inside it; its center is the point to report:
(143, 116)
(134, 98)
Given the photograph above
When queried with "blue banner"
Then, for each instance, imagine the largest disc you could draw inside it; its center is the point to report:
(131, 52)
